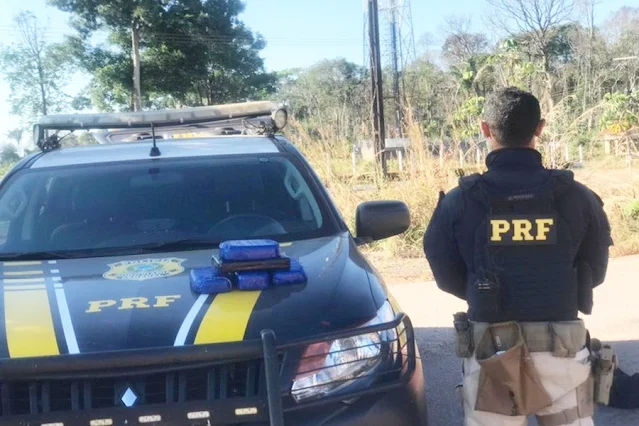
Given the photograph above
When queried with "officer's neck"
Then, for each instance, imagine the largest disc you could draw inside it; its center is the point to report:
(496, 145)
(519, 158)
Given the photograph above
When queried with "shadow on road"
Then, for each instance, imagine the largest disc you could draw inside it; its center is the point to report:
(442, 372)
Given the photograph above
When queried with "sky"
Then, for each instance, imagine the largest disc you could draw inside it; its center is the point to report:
(298, 33)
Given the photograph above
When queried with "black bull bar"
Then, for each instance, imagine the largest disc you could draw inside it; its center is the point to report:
(160, 360)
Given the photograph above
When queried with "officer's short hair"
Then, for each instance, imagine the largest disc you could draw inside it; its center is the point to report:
(512, 116)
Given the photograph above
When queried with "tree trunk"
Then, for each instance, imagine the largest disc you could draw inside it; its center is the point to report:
(549, 81)
(43, 92)
(135, 55)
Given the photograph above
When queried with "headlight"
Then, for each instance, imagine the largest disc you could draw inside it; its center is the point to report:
(328, 367)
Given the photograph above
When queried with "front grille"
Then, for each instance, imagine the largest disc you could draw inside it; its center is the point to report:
(176, 385)
(227, 381)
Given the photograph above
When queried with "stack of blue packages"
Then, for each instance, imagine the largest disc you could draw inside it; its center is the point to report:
(294, 275)
(252, 280)
(249, 265)
(245, 250)
(209, 280)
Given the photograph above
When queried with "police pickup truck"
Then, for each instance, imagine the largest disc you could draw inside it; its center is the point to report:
(103, 323)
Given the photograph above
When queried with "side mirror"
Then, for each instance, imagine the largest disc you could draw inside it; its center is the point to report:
(376, 220)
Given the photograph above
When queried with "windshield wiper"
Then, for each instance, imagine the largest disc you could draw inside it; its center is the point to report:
(186, 244)
(37, 255)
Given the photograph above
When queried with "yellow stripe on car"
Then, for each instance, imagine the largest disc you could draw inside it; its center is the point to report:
(29, 263)
(227, 317)
(25, 287)
(23, 280)
(29, 324)
(22, 273)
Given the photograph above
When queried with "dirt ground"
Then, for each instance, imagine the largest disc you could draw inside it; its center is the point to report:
(398, 270)
(614, 320)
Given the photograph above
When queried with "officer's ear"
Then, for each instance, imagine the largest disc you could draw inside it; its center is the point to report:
(485, 129)
(540, 127)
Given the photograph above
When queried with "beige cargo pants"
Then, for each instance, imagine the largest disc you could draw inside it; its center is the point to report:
(565, 380)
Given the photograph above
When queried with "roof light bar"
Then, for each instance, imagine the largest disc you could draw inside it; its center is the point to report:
(276, 119)
(166, 117)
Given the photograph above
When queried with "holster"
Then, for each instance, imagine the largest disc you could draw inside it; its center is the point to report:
(509, 384)
(463, 336)
(603, 368)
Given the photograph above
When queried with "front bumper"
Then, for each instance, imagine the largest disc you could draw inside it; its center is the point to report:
(187, 374)
(402, 406)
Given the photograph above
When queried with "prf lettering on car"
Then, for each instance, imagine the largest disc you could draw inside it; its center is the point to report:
(131, 303)
(522, 230)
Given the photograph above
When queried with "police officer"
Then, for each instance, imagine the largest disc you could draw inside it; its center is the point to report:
(524, 246)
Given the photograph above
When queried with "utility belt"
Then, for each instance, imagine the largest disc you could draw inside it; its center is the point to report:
(564, 339)
(509, 382)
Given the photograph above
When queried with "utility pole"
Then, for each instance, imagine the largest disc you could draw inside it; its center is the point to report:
(399, 114)
(379, 132)
(135, 56)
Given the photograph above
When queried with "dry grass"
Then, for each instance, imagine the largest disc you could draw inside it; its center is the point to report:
(618, 186)
(423, 177)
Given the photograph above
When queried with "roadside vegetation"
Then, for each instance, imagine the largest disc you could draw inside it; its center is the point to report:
(424, 176)
(586, 76)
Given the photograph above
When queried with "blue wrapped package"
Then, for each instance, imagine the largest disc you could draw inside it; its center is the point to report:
(209, 281)
(294, 275)
(243, 250)
(253, 280)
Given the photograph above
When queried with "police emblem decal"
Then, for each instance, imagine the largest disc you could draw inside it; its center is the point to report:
(144, 269)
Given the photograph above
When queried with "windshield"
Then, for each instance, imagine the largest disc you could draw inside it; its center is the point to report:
(172, 204)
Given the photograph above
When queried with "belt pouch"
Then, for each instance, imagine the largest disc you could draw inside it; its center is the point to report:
(508, 382)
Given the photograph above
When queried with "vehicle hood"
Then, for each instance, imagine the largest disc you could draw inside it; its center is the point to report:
(130, 302)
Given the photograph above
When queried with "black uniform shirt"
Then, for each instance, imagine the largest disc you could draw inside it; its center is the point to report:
(450, 239)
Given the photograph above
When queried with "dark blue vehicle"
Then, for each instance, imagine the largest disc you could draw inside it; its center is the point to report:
(101, 326)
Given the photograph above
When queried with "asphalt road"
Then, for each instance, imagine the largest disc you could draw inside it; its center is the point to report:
(615, 320)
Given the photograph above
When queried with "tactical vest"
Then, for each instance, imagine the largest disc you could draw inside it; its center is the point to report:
(523, 257)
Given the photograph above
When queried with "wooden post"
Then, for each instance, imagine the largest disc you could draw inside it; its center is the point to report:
(441, 154)
(478, 155)
(581, 154)
(354, 162)
(327, 158)
(566, 152)
(461, 158)
(400, 158)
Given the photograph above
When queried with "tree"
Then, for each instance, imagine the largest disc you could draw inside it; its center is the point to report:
(465, 51)
(331, 93)
(623, 36)
(9, 154)
(620, 116)
(34, 70)
(462, 45)
(221, 52)
(535, 23)
(192, 52)
(129, 16)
